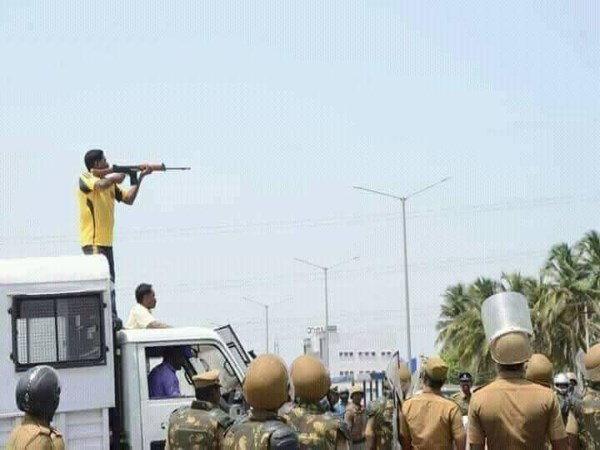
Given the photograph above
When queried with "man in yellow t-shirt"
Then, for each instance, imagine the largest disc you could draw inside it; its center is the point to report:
(97, 197)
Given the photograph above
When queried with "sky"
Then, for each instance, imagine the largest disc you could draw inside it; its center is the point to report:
(280, 107)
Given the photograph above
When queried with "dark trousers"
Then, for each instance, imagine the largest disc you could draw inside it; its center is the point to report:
(102, 250)
(108, 253)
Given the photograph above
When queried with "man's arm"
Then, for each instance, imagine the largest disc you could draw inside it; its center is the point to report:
(132, 193)
(370, 434)
(109, 180)
(573, 431)
(458, 429)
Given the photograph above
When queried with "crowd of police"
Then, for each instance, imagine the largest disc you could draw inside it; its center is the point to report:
(299, 408)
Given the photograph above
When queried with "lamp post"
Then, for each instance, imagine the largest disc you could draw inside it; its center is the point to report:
(266, 306)
(325, 272)
(406, 295)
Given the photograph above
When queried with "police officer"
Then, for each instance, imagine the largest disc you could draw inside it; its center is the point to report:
(379, 432)
(539, 370)
(561, 386)
(355, 418)
(317, 429)
(463, 397)
(512, 412)
(429, 420)
(583, 425)
(266, 389)
(202, 424)
(38, 395)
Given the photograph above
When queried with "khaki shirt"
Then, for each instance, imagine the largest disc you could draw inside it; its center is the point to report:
(35, 435)
(356, 418)
(431, 421)
(462, 401)
(512, 412)
(139, 317)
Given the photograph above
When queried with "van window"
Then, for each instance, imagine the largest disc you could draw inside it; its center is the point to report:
(65, 330)
(198, 358)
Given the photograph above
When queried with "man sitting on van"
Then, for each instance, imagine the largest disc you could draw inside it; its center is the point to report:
(162, 380)
(140, 316)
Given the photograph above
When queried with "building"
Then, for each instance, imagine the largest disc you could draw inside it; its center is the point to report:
(353, 356)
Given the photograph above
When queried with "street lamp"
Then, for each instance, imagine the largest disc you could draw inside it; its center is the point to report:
(266, 306)
(406, 297)
(325, 272)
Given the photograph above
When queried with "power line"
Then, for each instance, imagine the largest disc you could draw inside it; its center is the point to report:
(290, 278)
(282, 225)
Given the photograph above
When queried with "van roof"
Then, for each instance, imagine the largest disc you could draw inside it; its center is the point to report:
(167, 334)
(53, 269)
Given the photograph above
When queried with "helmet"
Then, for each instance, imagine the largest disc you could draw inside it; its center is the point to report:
(539, 369)
(561, 383)
(38, 392)
(592, 363)
(511, 348)
(310, 377)
(266, 384)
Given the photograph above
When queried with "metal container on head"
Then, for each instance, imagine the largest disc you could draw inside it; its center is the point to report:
(504, 313)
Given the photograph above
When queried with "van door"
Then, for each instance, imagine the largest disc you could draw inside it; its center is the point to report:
(202, 356)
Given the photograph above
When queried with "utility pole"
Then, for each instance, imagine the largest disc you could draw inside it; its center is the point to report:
(406, 290)
(325, 270)
(266, 306)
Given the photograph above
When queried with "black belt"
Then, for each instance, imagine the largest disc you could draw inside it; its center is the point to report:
(358, 441)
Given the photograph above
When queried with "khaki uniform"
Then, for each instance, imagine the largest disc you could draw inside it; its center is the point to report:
(201, 425)
(317, 429)
(431, 421)
(462, 401)
(356, 418)
(584, 419)
(514, 413)
(34, 434)
(379, 424)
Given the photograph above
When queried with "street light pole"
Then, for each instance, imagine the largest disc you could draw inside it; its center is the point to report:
(406, 290)
(325, 273)
(266, 306)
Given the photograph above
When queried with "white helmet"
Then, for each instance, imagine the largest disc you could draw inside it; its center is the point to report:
(561, 383)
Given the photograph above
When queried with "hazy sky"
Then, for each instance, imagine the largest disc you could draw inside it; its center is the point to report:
(280, 107)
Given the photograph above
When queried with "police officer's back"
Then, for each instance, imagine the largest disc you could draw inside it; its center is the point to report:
(513, 412)
(316, 428)
(429, 420)
(37, 395)
(203, 424)
(583, 425)
(266, 389)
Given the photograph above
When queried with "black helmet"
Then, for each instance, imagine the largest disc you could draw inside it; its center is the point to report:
(38, 392)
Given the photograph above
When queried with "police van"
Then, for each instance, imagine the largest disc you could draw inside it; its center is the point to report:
(56, 311)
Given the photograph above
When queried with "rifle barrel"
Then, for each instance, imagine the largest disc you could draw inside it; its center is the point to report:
(177, 168)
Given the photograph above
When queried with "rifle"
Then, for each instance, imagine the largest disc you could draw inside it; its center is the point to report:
(133, 170)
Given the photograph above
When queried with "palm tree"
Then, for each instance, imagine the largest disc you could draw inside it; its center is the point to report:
(460, 328)
(589, 251)
(559, 309)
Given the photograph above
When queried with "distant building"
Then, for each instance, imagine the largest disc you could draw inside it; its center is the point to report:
(353, 356)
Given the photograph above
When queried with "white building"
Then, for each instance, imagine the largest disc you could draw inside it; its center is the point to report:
(353, 355)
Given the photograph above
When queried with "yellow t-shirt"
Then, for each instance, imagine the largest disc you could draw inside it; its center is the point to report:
(97, 211)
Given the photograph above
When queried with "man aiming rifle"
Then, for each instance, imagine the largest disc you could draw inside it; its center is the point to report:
(98, 190)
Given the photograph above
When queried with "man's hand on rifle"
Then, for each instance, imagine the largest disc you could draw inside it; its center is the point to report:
(145, 169)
